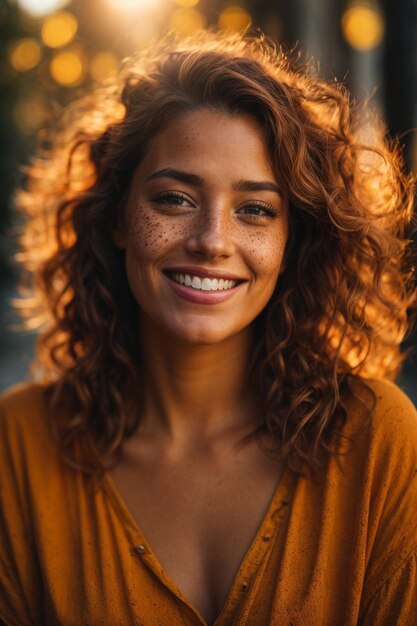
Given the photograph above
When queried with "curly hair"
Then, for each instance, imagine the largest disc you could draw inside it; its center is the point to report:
(339, 310)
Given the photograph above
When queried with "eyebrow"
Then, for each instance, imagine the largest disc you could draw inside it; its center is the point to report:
(197, 181)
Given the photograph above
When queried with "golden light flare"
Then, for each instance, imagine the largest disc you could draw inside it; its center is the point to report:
(40, 8)
(67, 68)
(59, 29)
(187, 21)
(186, 3)
(234, 19)
(25, 54)
(363, 27)
(144, 33)
(103, 64)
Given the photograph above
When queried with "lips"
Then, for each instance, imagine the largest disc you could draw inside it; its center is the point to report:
(205, 284)
(202, 288)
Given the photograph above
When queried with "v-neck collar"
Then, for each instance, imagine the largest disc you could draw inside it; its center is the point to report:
(257, 551)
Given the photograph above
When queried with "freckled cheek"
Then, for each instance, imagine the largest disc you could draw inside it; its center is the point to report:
(151, 235)
(266, 253)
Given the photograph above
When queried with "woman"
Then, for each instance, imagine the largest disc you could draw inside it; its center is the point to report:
(223, 268)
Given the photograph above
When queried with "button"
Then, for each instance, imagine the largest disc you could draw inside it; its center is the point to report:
(267, 537)
(140, 549)
(245, 585)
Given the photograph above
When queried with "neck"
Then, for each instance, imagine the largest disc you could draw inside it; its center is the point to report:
(195, 391)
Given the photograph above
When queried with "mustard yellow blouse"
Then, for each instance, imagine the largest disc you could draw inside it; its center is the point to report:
(340, 551)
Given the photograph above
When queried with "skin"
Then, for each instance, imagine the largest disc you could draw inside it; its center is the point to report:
(185, 456)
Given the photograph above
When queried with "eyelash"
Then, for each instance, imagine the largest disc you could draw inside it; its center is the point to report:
(263, 206)
(166, 198)
(269, 211)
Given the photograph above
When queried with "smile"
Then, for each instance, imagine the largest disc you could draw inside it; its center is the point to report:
(202, 289)
(204, 284)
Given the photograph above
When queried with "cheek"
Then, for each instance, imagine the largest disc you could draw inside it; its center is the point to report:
(151, 235)
(267, 252)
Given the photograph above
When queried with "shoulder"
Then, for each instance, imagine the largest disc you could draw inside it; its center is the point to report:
(392, 402)
(383, 413)
(22, 407)
(385, 456)
(379, 459)
(17, 397)
(26, 434)
(381, 434)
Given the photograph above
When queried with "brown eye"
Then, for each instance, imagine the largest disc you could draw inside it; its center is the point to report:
(258, 210)
(173, 199)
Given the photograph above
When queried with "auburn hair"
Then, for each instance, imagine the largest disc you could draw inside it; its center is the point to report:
(339, 310)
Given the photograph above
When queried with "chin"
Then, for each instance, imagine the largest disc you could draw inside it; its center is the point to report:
(202, 335)
(202, 338)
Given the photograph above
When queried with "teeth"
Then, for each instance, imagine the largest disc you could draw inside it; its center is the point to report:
(205, 284)
(179, 278)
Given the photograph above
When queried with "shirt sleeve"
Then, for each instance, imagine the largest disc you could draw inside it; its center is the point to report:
(390, 586)
(20, 592)
(395, 602)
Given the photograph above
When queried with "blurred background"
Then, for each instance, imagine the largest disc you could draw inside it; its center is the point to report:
(51, 50)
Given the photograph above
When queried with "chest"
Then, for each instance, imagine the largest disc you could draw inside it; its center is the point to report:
(200, 520)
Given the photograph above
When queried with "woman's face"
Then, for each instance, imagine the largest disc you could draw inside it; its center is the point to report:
(204, 227)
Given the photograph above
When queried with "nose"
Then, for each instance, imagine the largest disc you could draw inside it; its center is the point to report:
(212, 235)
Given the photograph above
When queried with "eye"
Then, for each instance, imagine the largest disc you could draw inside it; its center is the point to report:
(173, 199)
(258, 210)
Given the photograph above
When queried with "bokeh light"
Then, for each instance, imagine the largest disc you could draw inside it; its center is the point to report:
(187, 21)
(40, 8)
(67, 68)
(103, 64)
(235, 19)
(59, 29)
(25, 54)
(187, 3)
(363, 27)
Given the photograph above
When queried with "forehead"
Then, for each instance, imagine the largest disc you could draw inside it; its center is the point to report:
(210, 142)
